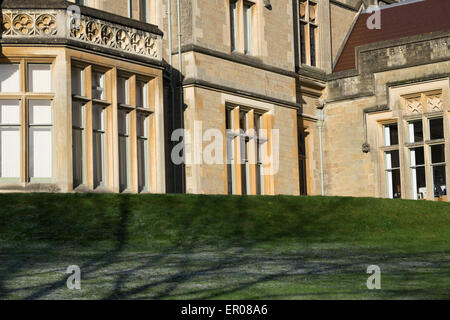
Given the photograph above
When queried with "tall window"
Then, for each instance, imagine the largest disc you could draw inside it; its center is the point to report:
(241, 24)
(233, 24)
(89, 107)
(308, 32)
(392, 161)
(246, 144)
(90, 104)
(133, 112)
(26, 122)
(248, 28)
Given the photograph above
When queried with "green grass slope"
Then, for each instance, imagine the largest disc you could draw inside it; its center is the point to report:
(185, 220)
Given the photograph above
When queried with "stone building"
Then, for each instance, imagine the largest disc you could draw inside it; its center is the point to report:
(302, 95)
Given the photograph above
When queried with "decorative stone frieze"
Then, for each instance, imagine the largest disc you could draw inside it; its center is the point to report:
(62, 24)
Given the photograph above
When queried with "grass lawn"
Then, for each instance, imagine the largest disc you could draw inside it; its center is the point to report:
(218, 247)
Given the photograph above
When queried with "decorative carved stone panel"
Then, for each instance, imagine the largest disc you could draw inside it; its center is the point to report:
(29, 23)
(434, 103)
(414, 105)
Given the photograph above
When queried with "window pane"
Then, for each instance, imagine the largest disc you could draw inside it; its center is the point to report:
(302, 9)
(40, 112)
(419, 183)
(40, 152)
(243, 121)
(439, 181)
(438, 153)
(9, 78)
(10, 152)
(392, 159)
(78, 81)
(39, 78)
(394, 184)
(123, 122)
(141, 94)
(143, 13)
(123, 163)
(98, 146)
(77, 143)
(436, 128)
(248, 28)
(98, 121)
(303, 42)
(233, 24)
(98, 85)
(141, 126)
(391, 134)
(142, 122)
(312, 43)
(77, 115)
(142, 164)
(417, 157)
(10, 112)
(77, 156)
(122, 90)
(312, 12)
(415, 131)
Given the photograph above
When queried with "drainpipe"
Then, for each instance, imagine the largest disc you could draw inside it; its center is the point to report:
(180, 66)
(172, 88)
(320, 127)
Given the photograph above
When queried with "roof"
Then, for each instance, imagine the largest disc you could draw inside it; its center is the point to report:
(401, 20)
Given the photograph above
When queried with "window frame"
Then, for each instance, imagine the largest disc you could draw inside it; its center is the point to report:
(24, 96)
(242, 150)
(308, 33)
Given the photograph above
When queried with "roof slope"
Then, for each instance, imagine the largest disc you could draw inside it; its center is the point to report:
(397, 21)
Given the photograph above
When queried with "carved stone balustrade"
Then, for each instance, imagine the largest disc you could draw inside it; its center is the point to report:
(62, 22)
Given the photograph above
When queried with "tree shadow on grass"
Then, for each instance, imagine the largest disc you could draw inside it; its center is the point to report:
(220, 269)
